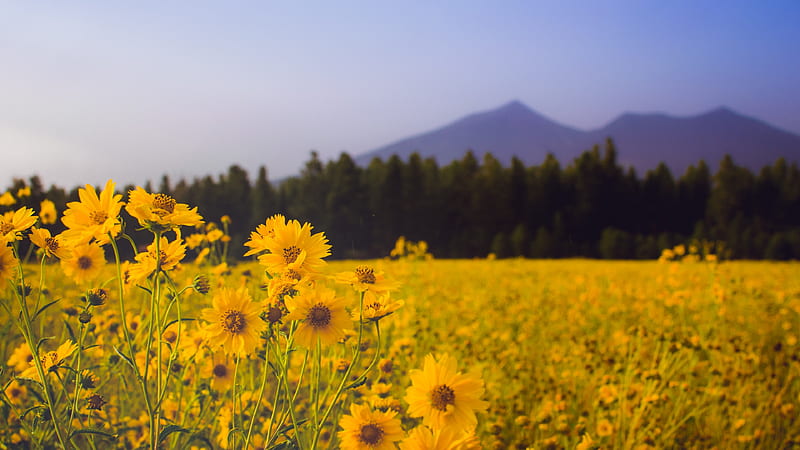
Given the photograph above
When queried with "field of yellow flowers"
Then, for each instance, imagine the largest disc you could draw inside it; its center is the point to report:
(183, 348)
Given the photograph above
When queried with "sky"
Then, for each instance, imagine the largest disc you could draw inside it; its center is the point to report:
(97, 90)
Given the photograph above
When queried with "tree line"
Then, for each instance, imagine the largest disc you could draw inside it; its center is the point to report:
(593, 207)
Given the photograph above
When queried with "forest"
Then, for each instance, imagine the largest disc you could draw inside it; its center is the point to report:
(593, 207)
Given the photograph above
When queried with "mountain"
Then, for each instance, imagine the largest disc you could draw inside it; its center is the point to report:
(642, 140)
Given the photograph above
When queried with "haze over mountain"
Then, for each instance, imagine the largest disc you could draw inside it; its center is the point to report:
(642, 140)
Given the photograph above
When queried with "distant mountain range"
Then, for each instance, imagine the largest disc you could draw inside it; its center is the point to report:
(642, 140)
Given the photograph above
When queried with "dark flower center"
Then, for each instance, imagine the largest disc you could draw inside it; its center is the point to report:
(371, 434)
(98, 217)
(165, 202)
(290, 254)
(319, 316)
(365, 274)
(233, 321)
(441, 396)
(220, 370)
(85, 262)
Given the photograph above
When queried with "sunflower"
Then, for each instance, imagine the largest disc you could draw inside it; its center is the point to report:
(93, 216)
(266, 230)
(20, 358)
(323, 316)
(169, 255)
(220, 371)
(47, 212)
(7, 199)
(294, 248)
(376, 307)
(13, 223)
(233, 321)
(369, 430)
(85, 263)
(8, 263)
(50, 360)
(365, 278)
(444, 397)
(52, 245)
(16, 392)
(160, 212)
(423, 438)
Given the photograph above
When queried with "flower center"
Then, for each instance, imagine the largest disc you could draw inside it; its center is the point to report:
(95, 401)
(319, 316)
(50, 361)
(290, 254)
(220, 371)
(371, 434)
(6, 228)
(274, 314)
(441, 396)
(98, 217)
(365, 274)
(85, 263)
(165, 202)
(293, 275)
(233, 321)
(51, 243)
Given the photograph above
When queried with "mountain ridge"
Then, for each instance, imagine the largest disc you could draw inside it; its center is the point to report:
(643, 140)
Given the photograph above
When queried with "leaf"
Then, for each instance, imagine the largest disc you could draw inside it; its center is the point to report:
(31, 409)
(44, 307)
(93, 431)
(357, 383)
(169, 429)
(126, 358)
(70, 331)
(41, 341)
(188, 319)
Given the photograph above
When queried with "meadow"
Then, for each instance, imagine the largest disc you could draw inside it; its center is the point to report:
(184, 348)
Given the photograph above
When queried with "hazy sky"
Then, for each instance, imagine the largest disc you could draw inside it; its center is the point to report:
(98, 90)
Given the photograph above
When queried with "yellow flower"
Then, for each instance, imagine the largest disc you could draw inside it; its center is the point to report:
(604, 428)
(294, 248)
(444, 397)
(220, 371)
(8, 263)
(215, 235)
(376, 307)
(423, 438)
(233, 321)
(323, 316)
(85, 263)
(195, 240)
(93, 216)
(50, 360)
(365, 429)
(16, 393)
(586, 443)
(169, 255)
(20, 358)
(13, 223)
(365, 278)
(47, 212)
(7, 199)
(160, 212)
(24, 192)
(52, 245)
(257, 242)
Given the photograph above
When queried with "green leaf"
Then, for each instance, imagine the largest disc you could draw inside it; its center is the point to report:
(43, 308)
(93, 431)
(126, 358)
(357, 383)
(41, 341)
(169, 429)
(70, 331)
(31, 409)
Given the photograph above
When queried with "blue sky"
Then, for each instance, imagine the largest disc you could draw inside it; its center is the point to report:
(98, 90)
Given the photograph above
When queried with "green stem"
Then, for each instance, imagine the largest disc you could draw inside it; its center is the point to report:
(27, 334)
(260, 397)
